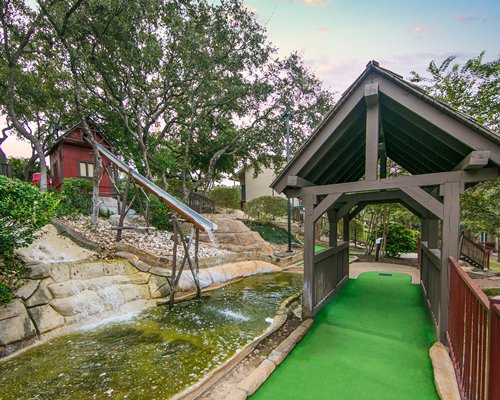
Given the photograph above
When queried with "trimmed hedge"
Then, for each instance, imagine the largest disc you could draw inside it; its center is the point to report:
(75, 196)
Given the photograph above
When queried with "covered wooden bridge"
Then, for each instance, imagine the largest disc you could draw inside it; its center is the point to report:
(343, 167)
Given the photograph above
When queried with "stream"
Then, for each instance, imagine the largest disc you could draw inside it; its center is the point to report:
(151, 355)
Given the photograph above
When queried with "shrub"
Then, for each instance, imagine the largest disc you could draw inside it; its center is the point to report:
(23, 211)
(399, 239)
(160, 215)
(226, 197)
(76, 197)
(271, 233)
(266, 208)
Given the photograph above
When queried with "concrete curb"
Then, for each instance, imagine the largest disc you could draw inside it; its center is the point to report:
(444, 373)
(249, 385)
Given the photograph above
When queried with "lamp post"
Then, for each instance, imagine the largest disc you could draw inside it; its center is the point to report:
(287, 115)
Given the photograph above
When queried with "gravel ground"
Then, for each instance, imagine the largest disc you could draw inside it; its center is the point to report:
(157, 242)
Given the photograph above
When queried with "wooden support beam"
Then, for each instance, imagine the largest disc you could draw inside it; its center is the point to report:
(425, 199)
(357, 210)
(325, 204)
(345, 230)
(437, 178)
(383, 160)
(308, 292)
(297, 182)
(475, 160)
(332, 234)
(346, 208)
(372, 131)
(449, 248)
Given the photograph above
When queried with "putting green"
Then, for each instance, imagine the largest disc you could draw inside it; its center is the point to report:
(369, 342)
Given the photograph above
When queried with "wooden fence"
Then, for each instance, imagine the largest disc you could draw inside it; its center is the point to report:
(331, 272)
(5, 170)
(473, 337)
(474, 252)
(430, 271)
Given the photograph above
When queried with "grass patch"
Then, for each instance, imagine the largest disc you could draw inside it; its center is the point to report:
(492, 292)
(494, 265)
(271, 233)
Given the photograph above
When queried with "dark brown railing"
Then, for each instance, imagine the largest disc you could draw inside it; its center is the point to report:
(331, 271)
(5, 170)
(473, 337)
(201, 203)
(430, 277)
(475, 253)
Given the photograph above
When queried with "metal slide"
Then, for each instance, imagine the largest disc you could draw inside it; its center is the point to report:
(192, 216)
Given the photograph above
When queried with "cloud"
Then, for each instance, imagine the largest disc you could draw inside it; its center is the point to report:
(313, 3)
(471, 17)
(421, 30)
(323, 30)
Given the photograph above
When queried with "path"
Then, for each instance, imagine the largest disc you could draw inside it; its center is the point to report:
(370, 342)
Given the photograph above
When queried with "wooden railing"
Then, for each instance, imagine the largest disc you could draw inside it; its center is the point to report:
(474, 252)
(5, 170)
(473, 337)
(201, 203)
(331, 271)
(430, 277)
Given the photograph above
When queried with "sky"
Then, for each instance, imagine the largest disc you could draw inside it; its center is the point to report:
(337, 38)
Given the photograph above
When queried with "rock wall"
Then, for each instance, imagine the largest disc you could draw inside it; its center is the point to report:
(61, 295)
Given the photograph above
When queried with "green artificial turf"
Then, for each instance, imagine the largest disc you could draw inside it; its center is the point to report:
(370, 342)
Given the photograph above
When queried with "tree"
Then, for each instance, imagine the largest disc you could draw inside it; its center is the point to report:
(33, 93)
(473, 88)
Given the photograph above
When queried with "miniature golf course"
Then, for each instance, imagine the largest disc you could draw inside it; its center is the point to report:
(370, 342)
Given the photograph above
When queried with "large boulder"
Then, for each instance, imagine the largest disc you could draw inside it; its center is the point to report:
(234, 235)
(15, 323)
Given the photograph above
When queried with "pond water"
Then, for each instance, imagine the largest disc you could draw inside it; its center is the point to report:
(153, 355)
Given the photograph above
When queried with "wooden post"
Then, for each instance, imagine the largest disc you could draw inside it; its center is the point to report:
(430, 232)
(345, 231)
(449, 248)
(332, 219)
(308, 293)
(372, 131)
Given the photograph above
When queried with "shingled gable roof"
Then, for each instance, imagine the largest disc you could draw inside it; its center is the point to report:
(420, 133)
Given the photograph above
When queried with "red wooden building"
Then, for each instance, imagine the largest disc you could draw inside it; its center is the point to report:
(71, 156)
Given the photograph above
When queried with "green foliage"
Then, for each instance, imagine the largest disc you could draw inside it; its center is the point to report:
(399, 239)
(23, 211)
(473, 88)
(5, 294)
(271, 233)
(160, 215)
(76, 197)
(22, 168)
(480, 207)
(226, 197)
(266, 208)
